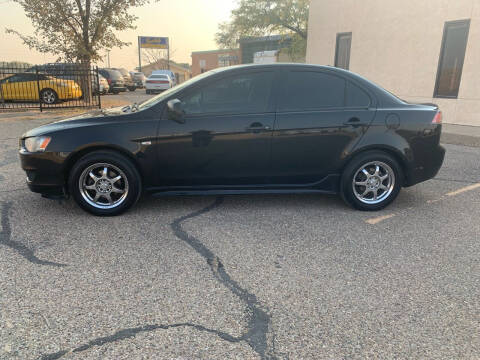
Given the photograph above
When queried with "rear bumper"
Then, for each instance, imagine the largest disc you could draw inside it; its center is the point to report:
(428, 170)
(117, 88)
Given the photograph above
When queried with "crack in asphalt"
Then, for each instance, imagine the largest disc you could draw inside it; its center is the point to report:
(6, 239)
(259, 320)
(132, 332)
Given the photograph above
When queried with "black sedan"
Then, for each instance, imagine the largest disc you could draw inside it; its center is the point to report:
(275, 128)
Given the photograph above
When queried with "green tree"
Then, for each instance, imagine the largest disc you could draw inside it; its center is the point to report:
(77, 30)
(267, 17)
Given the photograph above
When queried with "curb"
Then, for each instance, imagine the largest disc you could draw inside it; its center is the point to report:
(459, 139)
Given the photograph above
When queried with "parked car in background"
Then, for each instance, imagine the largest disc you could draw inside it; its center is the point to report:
(129, 84)
(104, 87)
(139, 79)
(34, 87)
(278, 128)
(101, 87)
(157, 83)
(170, 73)
(115, 80)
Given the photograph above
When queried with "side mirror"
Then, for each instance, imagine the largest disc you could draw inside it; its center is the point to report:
(175, 111)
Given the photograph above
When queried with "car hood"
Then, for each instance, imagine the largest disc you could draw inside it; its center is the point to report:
(88, 119)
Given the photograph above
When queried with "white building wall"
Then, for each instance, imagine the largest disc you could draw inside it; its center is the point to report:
(397, 44)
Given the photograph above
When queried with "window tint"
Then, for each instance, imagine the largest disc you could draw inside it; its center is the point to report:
(450, 66)
(247, 93)
(356, 97)
(22, 77)
(342, 50)
(306, 90)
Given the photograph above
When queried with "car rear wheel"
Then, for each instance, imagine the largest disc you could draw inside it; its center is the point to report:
(48, 96)
(371, 181)
(105, 183)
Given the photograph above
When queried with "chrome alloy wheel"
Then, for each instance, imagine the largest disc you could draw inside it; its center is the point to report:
(49, 96)
(103, 186)
(373, 182)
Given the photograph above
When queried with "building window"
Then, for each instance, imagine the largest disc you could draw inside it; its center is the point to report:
(452, 55)
(342, 50)
(203, 64)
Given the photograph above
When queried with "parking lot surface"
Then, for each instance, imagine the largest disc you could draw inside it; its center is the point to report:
(242, 277)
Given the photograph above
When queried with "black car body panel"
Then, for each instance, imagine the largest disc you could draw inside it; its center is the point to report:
(266, 146)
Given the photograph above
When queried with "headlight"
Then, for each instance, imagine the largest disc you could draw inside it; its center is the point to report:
(37, 144)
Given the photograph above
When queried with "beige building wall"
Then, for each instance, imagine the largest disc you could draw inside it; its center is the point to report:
(397, 44)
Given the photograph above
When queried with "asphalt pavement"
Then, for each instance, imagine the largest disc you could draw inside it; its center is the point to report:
(241, 277)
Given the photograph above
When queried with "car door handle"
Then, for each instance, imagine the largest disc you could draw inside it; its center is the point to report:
(354, 121)
(256, 127)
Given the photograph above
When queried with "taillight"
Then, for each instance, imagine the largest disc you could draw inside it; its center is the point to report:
(438, 118)
(109, 81)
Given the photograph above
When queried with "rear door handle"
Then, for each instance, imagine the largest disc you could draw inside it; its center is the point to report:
(354, 121)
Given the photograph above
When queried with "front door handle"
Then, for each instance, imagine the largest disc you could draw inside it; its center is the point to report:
(257, 127)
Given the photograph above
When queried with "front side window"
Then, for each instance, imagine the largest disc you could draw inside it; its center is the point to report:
(342, 50)
(454, 44)
(308, 90)
(239, 94)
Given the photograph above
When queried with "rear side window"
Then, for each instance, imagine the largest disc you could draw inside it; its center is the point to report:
(309, 90)
(356, 97)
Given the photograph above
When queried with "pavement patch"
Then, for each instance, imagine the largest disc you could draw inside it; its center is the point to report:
(376, 220)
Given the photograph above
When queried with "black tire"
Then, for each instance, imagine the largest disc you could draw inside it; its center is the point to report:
(352, 195)
(132, 88)
(48, 96)
(147, 92)
(117, 166)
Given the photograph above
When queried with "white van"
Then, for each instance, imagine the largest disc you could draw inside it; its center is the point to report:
(166, 72)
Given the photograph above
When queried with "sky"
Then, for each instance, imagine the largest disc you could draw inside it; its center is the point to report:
(190, 24)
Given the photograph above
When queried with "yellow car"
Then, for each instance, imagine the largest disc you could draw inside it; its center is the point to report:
(48, 89)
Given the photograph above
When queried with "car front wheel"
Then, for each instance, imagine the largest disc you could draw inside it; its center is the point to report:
(371, 181)
(104, 183)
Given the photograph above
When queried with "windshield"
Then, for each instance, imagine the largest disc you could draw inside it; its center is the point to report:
(167, 93)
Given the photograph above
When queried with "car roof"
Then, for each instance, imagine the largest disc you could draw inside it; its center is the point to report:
(382, 95)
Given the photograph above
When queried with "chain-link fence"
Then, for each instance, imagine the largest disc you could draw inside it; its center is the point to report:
(57, 85)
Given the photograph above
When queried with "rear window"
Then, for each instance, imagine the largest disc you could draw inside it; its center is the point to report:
(114, 74)
(164, 77)
(309, 90)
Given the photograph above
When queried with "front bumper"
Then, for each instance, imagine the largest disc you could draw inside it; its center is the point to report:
(45, 171)
(428, 169)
